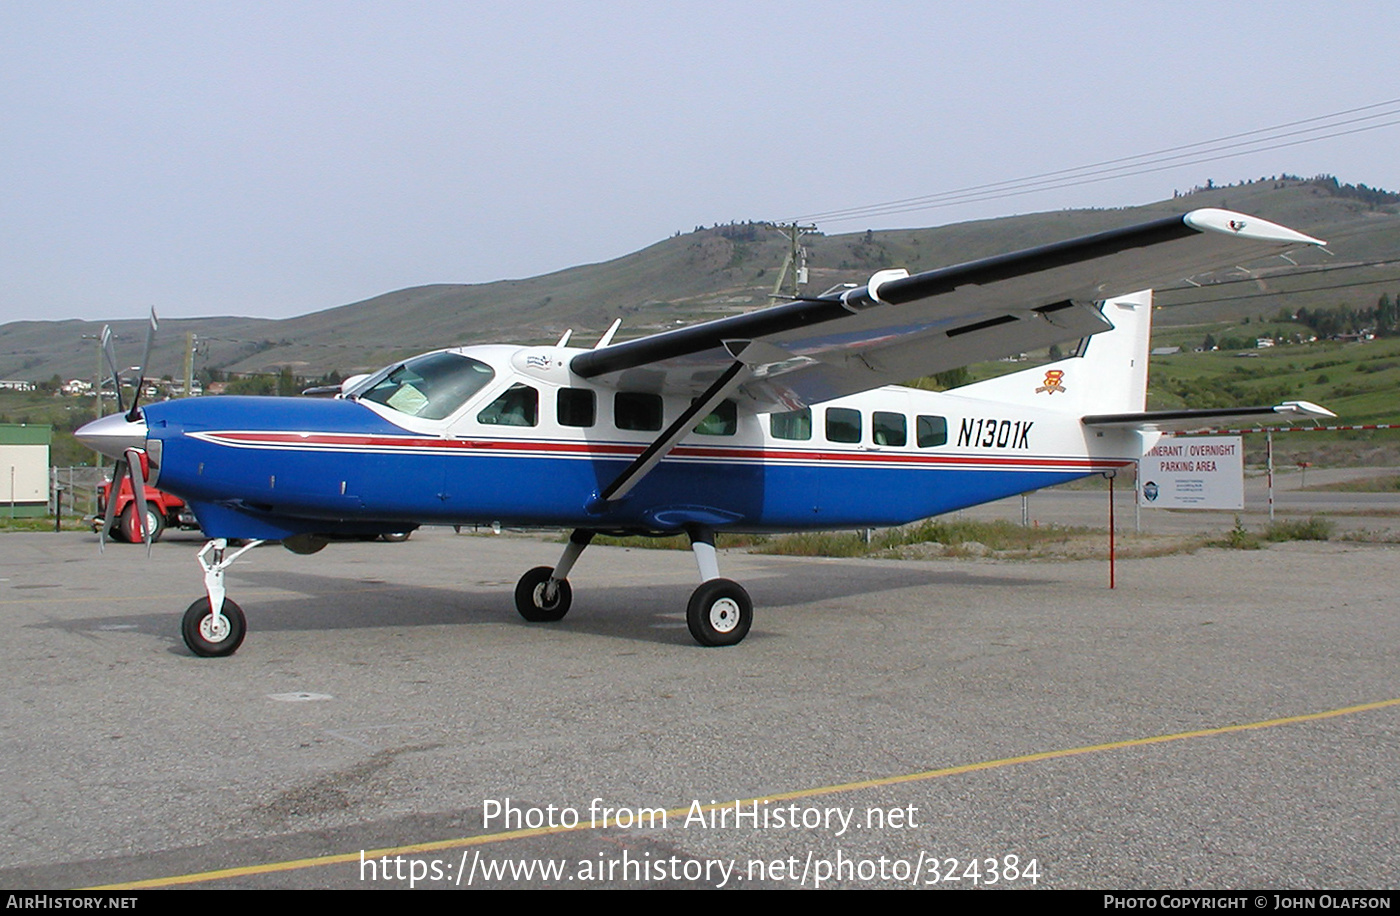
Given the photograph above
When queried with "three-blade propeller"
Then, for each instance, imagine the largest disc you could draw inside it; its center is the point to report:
(133, 462)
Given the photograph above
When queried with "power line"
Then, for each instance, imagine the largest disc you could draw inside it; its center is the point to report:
(1298, 272)
(1095, 180)
(1278, 294)
(1264, 139)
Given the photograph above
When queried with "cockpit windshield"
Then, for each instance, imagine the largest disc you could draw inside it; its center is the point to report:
(431, 386)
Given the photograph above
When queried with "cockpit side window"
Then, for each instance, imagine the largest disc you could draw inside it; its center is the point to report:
(432, 386)
(518, 406)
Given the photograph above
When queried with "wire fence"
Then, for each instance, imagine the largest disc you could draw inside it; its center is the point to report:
(73, 491)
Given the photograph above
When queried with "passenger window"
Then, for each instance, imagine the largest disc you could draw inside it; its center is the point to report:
(889, 428)
(577, 407)
(932, 431)
(633, 410)
(794, 424)
(842, 424)
(519, 406)
(722, 421)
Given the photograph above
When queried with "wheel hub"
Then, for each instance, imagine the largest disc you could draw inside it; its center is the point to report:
(724, 615)
(543, 599)
(214, 628)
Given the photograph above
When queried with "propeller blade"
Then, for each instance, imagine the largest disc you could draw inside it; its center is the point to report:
(118, 472)
(145, 361)
(138, 490)
(110, 351)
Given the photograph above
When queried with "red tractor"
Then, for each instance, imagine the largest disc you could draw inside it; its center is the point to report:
(162, 510)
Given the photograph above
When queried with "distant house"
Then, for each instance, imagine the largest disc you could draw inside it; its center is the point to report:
(1165, 351)
(14, 384)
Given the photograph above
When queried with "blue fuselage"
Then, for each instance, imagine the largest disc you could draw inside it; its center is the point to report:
(274, 467)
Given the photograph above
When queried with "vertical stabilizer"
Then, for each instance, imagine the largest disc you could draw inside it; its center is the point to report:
(1109, 375)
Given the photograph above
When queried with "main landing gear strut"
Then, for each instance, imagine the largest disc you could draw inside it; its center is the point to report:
(720, 612)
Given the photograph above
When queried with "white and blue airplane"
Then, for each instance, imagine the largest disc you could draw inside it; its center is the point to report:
(781, 419)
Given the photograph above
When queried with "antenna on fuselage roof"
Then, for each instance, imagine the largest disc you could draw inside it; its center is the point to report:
(565, 339)
(608, 335)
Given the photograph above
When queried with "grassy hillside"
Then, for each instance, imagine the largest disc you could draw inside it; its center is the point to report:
(717, 271)
(37, 350)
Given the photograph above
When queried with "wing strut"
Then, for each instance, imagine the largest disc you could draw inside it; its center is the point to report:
(737, 373)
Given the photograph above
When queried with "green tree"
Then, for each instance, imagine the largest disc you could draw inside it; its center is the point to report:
(1385, 316)
(253, 384)
(287, 383)
(953, 378)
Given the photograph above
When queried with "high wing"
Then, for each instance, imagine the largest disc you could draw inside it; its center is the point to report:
(898, 327)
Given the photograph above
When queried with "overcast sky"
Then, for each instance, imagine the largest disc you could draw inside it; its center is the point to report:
(273, 159)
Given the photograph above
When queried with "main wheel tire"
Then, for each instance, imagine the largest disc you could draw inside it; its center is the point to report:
(720, 613)
(205, 637)
(530, 600)
(155, 522)
(395, 537)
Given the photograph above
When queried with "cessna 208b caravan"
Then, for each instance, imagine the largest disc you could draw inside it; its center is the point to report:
(780, 419)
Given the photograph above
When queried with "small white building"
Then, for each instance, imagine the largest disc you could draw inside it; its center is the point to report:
(24, 469)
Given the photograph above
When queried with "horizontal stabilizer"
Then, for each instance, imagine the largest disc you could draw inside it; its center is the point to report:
(1163, 420)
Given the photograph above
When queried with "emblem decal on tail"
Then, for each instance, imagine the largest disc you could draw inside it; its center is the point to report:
(1053, 377)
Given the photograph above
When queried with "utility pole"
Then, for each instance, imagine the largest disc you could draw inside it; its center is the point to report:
(796, 260)
(97, 376)
(97, 384)
(189, 363)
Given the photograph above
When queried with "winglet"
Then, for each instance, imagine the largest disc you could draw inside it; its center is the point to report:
(1303, 410)
(1227, 222)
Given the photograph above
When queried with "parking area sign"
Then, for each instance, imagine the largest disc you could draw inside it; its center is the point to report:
(1193, 472)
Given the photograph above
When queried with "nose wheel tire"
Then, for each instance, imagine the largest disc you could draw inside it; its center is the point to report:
(532, 600)
(212, 636)
(720, 613)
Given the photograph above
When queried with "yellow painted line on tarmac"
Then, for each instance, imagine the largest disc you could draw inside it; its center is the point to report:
(923, 776)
